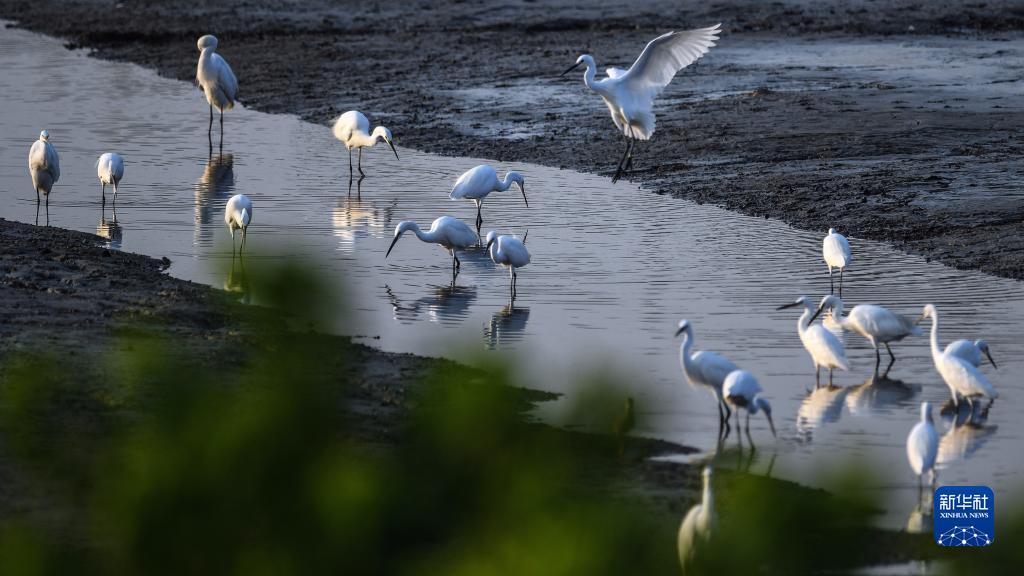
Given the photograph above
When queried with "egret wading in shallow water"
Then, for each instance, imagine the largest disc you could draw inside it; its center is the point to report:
(238, 216)
(698, 525)
(353, 129)
(742, 390)
(964, 379)
(44, 166)
(707, 369)
(879, 325)
(835, 248)
(218, 82)
(971, 351)
(824, 347)
(110, 170)
(629, 94)
(923, 446)
(449, 233)
(510, 252)
(475, 184)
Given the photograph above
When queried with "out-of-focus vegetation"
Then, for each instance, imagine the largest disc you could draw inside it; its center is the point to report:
(150, 462)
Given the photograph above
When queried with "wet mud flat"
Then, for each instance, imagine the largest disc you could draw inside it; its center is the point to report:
(851, 138)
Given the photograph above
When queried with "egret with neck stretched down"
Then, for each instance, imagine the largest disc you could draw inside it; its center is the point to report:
(964, 379)
(971, 351)
(879, 325)
(510, 252)
(449, 233)
(742, 390)
(475, 184)
(835, 249)
(923, 446)
(353, 129)
(217, 80)
(44, 166)
(110, 170)
(698, 525)
(238, 216)
(705, 369)
(629, 94)
(824, 347)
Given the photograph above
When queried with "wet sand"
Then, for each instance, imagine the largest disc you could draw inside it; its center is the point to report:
(931, 174)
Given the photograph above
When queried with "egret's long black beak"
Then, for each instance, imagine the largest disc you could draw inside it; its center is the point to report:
(392, 148)
(527, 233)
(989, 354)
(791, 305)
(570, 69)
(816, 314)
(522, 188)
(393, 242)
(488, 247)
(680, 331)
(770, 423)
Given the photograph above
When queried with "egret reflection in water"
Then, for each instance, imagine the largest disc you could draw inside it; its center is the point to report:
(506, 325)
(823, 405)
(354, 219)
(878, 393)
(965, 436)
(213, 189)
(110, 229)
(237, 281)
(447, 305)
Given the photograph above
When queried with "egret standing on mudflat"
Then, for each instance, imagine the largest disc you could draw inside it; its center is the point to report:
(964, 379)
(449, 233)
(824, 347)
(475, 184)
(218, 82)
(742, 390)
(44, 166)
(353, 129)
(510, 252)
(835, 248)
(110, 170)
(238, 216)
(629, 94)
(698, 525)
(703, 368)
(971, 351)
(879, 325)
(923, 446)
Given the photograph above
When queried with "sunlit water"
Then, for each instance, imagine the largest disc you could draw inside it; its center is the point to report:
(614, 268)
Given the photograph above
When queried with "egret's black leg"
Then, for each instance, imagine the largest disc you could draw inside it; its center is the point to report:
(350, 164)
(841, 282)
(817, 376)
(209, 128)
(830, 377)
(622, 162)
(360, 163)
(103, 192)
(831, 282)
(891, 357)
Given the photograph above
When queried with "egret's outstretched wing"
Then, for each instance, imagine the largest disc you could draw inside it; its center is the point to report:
(615, 72)
(226, 80)
(668, 54)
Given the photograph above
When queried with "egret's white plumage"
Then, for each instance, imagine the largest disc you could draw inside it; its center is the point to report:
(923, 445)
(835, 248)
(703, 368)
(698, 525)
(110, 170)
(449, 233)
(629, 94)
(742, 390)
(353, 129)
(879, 325)
(825, 348)
(476, 183)
(971, 351)
(238, 216)
(216, 78)
(510, 252)
(43, 165)
(963, 378)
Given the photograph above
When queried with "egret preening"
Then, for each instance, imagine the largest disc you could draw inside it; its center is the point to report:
(923, 446)
(703, 368)
(218, 82)
(238, 216)
(510, 252)
(698, 525)
(629, 94)
(879, 325)
(353, 129)
(742, 390)
(110, 170)
(824, 347)
(44, 166)
(449, 233)
(971, 351)
(836, 250)
(475, 184)
(964, 379)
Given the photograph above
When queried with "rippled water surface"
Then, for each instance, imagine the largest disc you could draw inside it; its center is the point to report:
(614, 268)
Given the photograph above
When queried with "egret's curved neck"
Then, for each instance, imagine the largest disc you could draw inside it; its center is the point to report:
(506, 183)
(837, 312)
(684, 353)
(360, 138)
(936, 351)
(707, 499)
(590, 74)
(804, 321)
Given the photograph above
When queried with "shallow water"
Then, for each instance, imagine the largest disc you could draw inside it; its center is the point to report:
(614, 268)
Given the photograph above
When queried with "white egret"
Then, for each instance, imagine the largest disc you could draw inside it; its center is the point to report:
(964, 379)
(238, 216)
(449, 233)
(923, 446)
(879, 325)
(510, 252)
(971, 351)
(835, 248)
(703, 368)
(110, 170)
(629, 94)
(825, 348)
(218, 82)
(742, 390)
(353, 129)
(475, 184)
(698, 525)
(44, 166)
